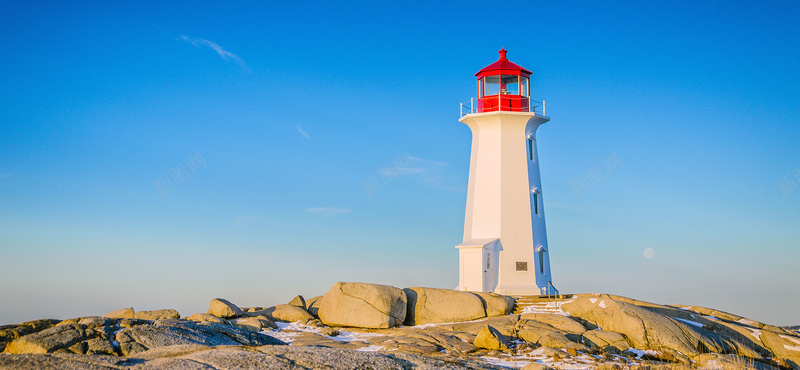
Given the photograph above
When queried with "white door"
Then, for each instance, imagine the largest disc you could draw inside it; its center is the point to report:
(488, 272)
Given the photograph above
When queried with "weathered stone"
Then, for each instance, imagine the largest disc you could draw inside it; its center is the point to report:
(129, 323)
(11, 332)
(169, 332)
(207, 317)
(224, 309)
(312, 307)
(644, 328)
(122, 313)
(298, 301)
(285, 313)
(96, 321)
(559, 322)
(158, 314)
(433, 305)
(536, 366)
(256, 323)
(727, 362)
(490, 338)
(495, 304)
(363, 305)
(784, 347)
(608, 341)
(99, 346)
(48, 340)
(549, 338)
(506, 325)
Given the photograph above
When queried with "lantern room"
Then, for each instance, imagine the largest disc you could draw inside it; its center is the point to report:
(504, 86)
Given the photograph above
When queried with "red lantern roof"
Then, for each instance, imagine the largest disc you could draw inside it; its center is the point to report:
(503, 66)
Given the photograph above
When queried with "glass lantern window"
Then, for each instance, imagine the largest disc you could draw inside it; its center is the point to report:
(509, 85)
(491, 85)
(524, 86)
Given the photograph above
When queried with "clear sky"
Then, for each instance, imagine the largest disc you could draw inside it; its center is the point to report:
(161, 154)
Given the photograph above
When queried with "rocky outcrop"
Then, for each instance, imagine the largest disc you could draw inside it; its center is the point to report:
(162, 333)
(61, 337)
(607, 341)
(11, 332)
(562, 332)
(362, 305)
(158, 314)
(236, 357)
(433, 305)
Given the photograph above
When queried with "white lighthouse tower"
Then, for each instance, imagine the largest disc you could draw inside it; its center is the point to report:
(505, 243)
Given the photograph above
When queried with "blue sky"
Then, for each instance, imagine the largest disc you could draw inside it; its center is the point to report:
(262, 122)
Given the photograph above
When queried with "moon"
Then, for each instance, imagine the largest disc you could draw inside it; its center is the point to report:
(649, 253)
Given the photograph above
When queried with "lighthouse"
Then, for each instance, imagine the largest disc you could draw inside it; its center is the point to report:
(505, 243)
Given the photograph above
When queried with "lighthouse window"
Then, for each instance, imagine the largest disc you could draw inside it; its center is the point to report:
(530, 148)
(536, 203)
(491, 85)
(541, 260)
(525, 86)
(509, 85)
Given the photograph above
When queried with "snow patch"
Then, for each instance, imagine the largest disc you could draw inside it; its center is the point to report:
(372, 348)
(288, 331)
(690, 322)
(602, 304)
(593, 300)
(549, 307)
(639, 353)
(745, 321)
(796, 340)
(756, 333)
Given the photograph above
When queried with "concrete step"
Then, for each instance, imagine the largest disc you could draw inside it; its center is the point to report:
(545, 304)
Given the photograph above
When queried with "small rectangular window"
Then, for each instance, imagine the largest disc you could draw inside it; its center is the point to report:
(530, 148)
(522, 266)
(536, 203)
(541, 261)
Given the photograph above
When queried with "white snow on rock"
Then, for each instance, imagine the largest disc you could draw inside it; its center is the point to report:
(746, 322)
(593, 300)
(690, 322)
(756, 333)
(602, 304)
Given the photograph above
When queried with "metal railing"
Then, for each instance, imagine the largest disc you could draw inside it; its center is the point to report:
(533, 106)
(552, 291)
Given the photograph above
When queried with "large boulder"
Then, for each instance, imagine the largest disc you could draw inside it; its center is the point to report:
(298, 301)
(495, 304)
(490, 338)
(312, 307)
(223, 308)
(362, 305)
(285, 313)
(434, 306)
(207, 317)
(122, 313)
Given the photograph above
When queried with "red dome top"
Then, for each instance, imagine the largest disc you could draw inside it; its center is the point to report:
(503, 66)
